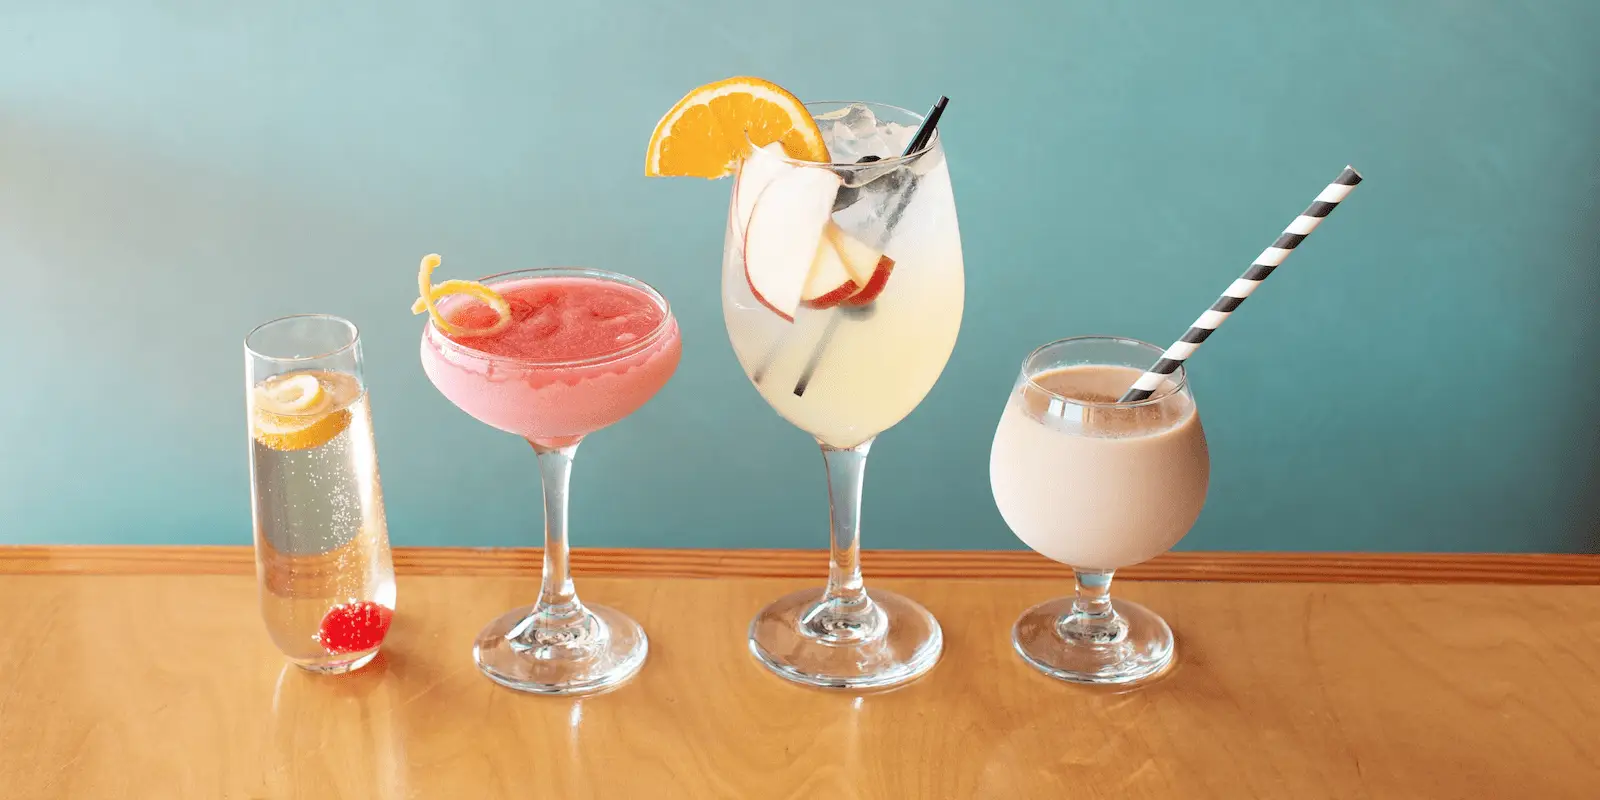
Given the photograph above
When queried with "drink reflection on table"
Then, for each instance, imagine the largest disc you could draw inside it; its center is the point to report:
(337, 737)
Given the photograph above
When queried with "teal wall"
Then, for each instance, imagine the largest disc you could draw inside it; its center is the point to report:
(1417, 377)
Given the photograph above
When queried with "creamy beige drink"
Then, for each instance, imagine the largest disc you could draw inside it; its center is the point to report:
(1092, 484)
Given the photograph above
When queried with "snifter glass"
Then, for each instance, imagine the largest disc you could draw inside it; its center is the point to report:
(1097, 485)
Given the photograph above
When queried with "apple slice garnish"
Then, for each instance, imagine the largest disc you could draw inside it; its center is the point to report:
(829, 283)
(781, 241)
(868, 267)
(755, 172)
(875, 284)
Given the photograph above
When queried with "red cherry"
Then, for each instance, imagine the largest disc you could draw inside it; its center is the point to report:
(350, 627)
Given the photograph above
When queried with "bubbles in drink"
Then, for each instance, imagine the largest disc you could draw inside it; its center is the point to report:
(327, 582)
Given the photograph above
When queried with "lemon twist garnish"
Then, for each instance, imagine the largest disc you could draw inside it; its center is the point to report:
(432, 292)
(292, 394)
(289, 434)
(301, 410)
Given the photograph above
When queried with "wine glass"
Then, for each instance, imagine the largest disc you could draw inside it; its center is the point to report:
(842, 293)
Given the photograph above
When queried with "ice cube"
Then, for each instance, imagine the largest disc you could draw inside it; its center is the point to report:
(896, 136)
(874, 145)
(608, 306)
(845, 152)
(846, 127)
(838, 134)
(546, 320)
(858, 120)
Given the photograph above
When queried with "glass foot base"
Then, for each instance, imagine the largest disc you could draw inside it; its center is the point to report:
(599, 650)
(339, 667)
(889, 641)
(1137, 648)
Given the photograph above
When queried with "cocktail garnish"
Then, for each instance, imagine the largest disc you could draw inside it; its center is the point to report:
(289, 433)
(297, 393)
(432, 292)
(352, 627)
(713, 126)
(293, 412)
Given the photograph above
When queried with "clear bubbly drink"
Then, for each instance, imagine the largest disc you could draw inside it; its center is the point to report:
(326, 578)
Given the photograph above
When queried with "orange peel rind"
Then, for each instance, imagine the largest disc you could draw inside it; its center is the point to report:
(430, 294)
(706, 133)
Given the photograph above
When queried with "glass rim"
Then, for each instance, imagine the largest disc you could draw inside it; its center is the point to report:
(443, 341)
(1179, 382)
(355, 338)
(904, 158)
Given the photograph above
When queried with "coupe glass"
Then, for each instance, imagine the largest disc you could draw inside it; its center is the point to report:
(558, 645)
(849, 360)
(1097, 485)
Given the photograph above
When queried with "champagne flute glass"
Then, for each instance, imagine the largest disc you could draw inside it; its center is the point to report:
(325, 575)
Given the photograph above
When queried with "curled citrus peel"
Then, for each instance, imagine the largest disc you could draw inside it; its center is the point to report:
(288, 434)
(301, 410)
(432, 292)
(297, 393)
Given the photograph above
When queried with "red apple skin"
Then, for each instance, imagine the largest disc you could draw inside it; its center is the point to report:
(784, 315)
(752, 284)
(874, 287)
(833, 298)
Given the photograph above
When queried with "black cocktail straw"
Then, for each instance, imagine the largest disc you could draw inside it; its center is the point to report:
(919, 142)
(929, 123)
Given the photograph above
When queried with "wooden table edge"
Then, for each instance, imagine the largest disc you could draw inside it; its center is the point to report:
(1249, 567)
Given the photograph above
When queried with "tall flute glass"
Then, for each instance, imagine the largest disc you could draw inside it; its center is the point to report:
(585, 349)
(842, 292)
(322, 545)
(1097, 485)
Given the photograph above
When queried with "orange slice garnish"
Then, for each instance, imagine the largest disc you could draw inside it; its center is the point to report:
(712, 127)
(433, 292)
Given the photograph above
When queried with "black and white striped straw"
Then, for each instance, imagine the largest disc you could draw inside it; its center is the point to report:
(1269, 260)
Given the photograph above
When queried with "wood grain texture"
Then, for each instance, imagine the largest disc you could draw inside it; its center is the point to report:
(630, 562)
(144, 686)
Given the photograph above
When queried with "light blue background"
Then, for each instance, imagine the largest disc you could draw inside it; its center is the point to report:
(1418, 377)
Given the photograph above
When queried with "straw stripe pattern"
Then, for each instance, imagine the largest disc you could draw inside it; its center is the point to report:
(1269, 260)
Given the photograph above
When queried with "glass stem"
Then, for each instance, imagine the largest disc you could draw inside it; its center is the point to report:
(847, 469)
(1093, 617)
(558, 600)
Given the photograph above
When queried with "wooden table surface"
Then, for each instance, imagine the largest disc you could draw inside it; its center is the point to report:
(145, 673)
